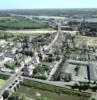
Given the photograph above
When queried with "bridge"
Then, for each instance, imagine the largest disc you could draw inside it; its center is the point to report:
(13, 81)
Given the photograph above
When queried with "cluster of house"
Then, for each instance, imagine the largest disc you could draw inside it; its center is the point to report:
(7, 53)
(83, 69)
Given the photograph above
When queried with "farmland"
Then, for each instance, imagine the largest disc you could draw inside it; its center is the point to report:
(84, 40)
(19, 23)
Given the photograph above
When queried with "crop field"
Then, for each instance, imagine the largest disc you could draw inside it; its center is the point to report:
(84, 40)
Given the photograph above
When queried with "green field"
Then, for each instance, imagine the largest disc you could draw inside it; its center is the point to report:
(21, 23)
(2, 82)
(38, 93)
(37, 89)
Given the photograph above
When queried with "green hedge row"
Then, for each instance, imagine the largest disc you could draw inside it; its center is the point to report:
(5, 77)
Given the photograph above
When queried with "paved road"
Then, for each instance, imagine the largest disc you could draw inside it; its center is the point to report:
(54, 69)
(56, 37)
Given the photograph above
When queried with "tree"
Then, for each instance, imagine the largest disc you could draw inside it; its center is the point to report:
(93, 99)
(58, 58)
(17, 96)
(6, 94)
(69, 77)
(77, 69)
(14, 96)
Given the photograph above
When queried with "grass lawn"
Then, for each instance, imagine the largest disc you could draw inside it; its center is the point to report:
(2, 82)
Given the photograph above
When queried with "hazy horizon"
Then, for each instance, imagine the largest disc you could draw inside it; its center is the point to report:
(47, 4)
